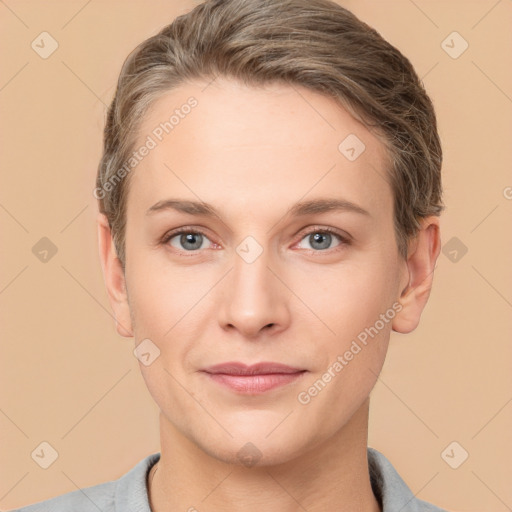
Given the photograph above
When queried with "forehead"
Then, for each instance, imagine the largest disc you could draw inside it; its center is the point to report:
(228, 141)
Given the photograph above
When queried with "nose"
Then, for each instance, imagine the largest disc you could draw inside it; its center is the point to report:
(255, 300)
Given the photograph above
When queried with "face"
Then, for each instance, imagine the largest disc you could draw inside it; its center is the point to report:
(262, 279)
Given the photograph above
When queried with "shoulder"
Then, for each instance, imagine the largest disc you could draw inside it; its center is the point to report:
(127, 493)
(391, 489)
(97, 497)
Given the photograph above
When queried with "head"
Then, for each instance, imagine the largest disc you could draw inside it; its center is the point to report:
(247, 108)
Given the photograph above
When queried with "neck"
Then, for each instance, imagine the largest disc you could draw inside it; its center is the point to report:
(332, 475)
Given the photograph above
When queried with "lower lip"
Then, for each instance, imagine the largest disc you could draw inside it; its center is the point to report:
(255, 384)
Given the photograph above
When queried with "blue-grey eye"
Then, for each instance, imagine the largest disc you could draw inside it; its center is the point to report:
(320, 240)
(189, 241)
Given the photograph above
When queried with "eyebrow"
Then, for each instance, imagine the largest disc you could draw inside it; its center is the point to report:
(315, 206)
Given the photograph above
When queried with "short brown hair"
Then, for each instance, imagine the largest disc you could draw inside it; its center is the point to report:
(316, 44)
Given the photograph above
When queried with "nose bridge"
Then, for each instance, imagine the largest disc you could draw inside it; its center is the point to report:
(254, 297)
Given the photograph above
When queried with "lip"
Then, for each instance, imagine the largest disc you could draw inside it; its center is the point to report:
(236, 368)
(253, 379)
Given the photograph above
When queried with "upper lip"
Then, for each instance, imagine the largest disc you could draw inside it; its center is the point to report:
(237, 368)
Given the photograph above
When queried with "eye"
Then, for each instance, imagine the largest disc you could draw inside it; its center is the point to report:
(320, 239)
(187, 240)
(192, 240)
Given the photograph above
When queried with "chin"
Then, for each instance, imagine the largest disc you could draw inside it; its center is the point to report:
(253, 447)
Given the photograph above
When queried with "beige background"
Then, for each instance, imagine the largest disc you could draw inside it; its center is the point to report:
(67, 378)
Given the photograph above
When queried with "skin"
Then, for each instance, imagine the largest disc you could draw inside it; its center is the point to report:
(253, 153)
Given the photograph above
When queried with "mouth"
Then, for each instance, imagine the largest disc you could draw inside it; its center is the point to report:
(254, 379)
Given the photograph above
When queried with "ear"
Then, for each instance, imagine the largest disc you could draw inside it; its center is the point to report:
(114, 278)
(421, 260)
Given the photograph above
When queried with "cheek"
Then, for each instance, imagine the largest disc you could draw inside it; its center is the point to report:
(354, 298)
(359, 309)
(165, 307)
(161, 295)
(354, 360)
(168, 306)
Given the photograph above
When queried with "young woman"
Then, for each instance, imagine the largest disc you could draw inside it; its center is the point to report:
(269, 199)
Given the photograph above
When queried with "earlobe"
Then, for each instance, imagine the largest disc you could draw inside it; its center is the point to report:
(420, 266)
(114, 278)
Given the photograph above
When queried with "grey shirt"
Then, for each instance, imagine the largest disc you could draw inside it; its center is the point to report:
(129, 492)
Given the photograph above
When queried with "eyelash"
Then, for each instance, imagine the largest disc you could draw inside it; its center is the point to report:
(344, 240)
